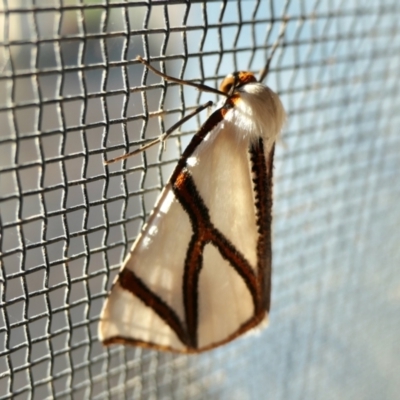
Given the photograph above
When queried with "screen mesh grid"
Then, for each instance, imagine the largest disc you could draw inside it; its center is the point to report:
(73, 95)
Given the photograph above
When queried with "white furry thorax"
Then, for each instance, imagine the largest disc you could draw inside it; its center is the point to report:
(258, 113)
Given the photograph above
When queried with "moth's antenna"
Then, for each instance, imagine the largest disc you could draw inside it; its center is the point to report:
(198, 86)
(265, 70)
(163, 137)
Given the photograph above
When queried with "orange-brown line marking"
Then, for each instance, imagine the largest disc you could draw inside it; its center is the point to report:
(215, 118)
(193, 204)
(204, 232)
(129, 281)
(262, 179)
(193, 265)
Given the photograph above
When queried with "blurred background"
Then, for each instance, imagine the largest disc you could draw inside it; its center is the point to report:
(72, 96)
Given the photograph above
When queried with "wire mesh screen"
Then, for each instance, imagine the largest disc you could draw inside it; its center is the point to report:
(73, 95)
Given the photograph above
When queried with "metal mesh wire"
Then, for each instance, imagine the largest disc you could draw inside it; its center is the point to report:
(73, 95)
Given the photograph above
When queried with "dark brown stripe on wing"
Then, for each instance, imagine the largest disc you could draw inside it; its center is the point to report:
(130, 282)
(215, 118)
(262, 179)
(238, 262)
(203, 233)
(193, 204)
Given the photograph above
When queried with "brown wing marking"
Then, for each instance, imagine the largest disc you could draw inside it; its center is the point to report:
(203, 233)
(129, 281)
(262, 179)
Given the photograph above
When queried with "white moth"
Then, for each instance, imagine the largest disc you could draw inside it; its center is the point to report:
(199, 274)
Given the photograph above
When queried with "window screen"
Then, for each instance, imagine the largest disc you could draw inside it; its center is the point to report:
(73, 95)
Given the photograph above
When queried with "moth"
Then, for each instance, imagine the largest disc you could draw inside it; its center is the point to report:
(199, 273)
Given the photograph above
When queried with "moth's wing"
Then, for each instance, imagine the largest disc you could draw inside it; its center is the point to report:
(157, 260)
(147, 305)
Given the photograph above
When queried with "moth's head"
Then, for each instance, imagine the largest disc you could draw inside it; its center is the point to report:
(236, 80)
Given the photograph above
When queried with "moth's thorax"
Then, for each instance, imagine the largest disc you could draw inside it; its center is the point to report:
(257, 110)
